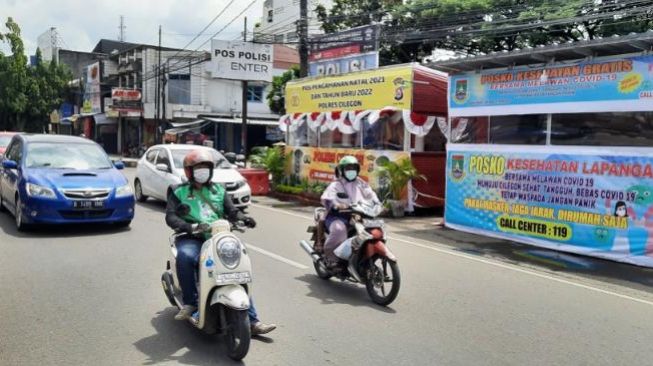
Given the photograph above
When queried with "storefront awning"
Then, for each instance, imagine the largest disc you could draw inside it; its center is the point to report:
(101, 119)
(254, 122)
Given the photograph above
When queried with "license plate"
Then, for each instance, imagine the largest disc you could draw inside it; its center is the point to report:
(88, 205)
(238, 277)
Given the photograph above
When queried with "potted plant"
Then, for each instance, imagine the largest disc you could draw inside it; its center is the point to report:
(272, 159)
(398, 174)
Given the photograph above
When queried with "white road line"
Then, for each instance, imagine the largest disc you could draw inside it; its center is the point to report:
(488, 262)
(276, 256)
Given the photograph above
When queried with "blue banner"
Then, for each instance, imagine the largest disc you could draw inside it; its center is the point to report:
(602, 85)
(344, 65)
(586, 201)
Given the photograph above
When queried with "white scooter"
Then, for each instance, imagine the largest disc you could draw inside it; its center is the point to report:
(223, 279)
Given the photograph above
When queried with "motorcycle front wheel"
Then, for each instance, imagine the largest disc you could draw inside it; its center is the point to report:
(238, 335)
(383, 280)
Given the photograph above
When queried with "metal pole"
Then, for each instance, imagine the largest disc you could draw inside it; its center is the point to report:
(157, 119)
(303, 38)
(243, 132)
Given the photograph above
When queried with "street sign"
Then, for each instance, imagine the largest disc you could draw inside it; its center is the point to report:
(239, 60)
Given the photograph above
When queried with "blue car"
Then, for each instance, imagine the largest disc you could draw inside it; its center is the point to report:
(52, 179)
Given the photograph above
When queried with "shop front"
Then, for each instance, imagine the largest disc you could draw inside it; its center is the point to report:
(555, 154)
(391, 113)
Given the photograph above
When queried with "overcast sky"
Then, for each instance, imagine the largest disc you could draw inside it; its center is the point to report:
(82, 23)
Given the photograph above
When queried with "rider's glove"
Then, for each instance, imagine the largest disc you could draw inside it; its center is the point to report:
(249, 222)
(201, 228)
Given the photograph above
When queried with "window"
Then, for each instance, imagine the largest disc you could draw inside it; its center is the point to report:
(66, 156)
(603, 129)
(270, 16)
(255, 93)
(15, 151)
(291, 37)
(383, 135)
(179, 89)
(336, 138)
(163, 158)
(528, 129)
(151, 155)
(469, 130)
(278, 38)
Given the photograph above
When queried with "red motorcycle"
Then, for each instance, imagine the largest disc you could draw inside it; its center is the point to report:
(369, 261)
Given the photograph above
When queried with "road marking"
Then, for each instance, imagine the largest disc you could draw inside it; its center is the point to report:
(276, 256)
(487, 261)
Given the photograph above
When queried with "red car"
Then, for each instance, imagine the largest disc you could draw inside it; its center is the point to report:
(5, 137)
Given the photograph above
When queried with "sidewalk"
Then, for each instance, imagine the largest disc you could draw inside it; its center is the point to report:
(429, 231)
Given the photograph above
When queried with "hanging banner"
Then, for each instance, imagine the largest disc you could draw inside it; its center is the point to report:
(374, 89)
(611, 84)
(344, 65)
(319, 164)
(592, 201)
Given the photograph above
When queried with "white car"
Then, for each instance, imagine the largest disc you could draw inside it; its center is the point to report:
(161, 167)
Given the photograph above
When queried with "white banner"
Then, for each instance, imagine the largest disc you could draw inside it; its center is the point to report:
(238, 60)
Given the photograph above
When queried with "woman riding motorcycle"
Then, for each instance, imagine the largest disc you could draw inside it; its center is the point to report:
(357, 190)
(204, 202)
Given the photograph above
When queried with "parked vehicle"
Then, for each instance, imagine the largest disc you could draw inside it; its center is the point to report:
(5, 137)
(223, 278)
(369, 262)
(54, 179)
(162, 167)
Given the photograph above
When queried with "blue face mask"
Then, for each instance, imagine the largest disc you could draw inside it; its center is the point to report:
(350, 175)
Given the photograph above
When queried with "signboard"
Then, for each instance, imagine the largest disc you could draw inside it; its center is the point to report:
(344, 65)
(319, 164)
(611, 84)
(92, 96)
(238, 60)
(352, 41)
(363, 90)
(591, 201)
(130, 95)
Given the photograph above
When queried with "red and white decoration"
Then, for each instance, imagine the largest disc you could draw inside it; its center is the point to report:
(351, 122)
(418, 124)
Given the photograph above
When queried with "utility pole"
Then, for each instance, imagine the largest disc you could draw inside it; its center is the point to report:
(302, 30)
(157, 119)
(243, 132)
(163, 92)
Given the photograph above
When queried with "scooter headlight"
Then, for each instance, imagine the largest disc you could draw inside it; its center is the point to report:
(229, 252)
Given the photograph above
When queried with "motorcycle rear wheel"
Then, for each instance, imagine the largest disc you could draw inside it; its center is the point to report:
(238, 335)
(378, 276)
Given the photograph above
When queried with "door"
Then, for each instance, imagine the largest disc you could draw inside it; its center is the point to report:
(147, 172)
(163, 179)
(11, 177)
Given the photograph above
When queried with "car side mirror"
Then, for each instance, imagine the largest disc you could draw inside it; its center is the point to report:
(10, 165)
(163, 168)
(342, 195)
(119, 165)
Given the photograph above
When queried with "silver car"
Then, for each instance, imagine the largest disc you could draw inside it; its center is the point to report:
(161, 167)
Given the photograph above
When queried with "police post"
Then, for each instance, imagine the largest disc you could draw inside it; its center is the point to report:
(243, 61)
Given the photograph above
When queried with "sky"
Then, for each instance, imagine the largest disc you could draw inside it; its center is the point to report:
(82, 23)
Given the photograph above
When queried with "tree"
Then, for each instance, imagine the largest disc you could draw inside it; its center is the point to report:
(28, 94)
(276, 97)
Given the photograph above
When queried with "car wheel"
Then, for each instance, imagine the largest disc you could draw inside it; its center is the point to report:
(20, 224)
(2, 207)
(123, 224)
(138, 191)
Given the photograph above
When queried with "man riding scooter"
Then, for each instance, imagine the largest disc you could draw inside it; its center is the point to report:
(336, 222)
(205, 203)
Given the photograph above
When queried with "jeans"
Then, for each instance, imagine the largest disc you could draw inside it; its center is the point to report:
(188, 255)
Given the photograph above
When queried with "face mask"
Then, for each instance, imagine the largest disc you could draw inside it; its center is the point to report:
(350, 174)
(201, 175)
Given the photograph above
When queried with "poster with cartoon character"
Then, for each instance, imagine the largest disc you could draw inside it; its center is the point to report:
(592, 201)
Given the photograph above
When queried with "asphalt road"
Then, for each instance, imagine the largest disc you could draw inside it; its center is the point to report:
(92, 296)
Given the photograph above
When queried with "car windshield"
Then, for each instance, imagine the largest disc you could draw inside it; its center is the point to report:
(66, 156)
(4, 140)
(220, 161)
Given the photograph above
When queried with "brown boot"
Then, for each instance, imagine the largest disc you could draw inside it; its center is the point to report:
(259, 328)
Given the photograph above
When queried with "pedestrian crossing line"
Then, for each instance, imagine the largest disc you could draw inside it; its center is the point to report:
(438, 247)
(276, 256)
